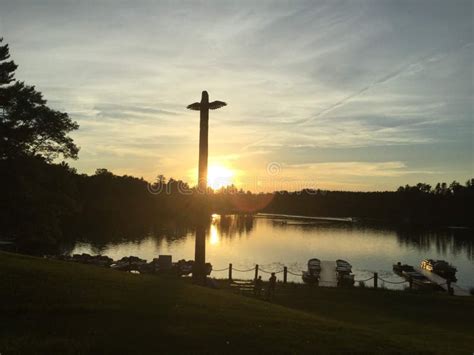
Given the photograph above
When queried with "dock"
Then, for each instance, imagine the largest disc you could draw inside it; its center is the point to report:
(441, 281)
(328, 277)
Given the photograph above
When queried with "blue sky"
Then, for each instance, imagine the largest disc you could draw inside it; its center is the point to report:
(357, 95)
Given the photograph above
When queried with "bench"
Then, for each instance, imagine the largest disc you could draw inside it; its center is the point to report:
(242, 287)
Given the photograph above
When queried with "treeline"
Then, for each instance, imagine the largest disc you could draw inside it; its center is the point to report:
(43, 204)
(445, 205)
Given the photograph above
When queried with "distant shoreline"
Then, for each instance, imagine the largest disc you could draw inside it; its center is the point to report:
(359, 220)
(289, 216)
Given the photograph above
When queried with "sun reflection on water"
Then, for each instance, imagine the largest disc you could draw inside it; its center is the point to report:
(213, 233)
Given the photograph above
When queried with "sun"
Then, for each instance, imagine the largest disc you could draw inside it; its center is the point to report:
(219, 176)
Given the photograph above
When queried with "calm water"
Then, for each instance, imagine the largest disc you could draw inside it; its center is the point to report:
(273, 243)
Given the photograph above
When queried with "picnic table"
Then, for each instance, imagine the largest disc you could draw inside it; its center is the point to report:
(243, 287)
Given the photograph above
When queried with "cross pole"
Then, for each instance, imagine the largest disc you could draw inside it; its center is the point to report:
(203, 107)
(199, 268)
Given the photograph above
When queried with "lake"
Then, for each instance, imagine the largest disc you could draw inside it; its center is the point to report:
(274, 242)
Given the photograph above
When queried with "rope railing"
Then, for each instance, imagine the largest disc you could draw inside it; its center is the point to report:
(294, 274)
(393, 282)
(234, 269)
(269, 272)
(299, 273)
(364, 280)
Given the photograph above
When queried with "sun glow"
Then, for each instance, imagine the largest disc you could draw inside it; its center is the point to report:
(219, 176)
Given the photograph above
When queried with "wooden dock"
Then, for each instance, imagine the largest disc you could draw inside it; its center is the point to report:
(328, 277)
(458, 291)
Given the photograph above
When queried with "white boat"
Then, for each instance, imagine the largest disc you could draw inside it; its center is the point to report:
(344, 273)
(419, 281)
(342, 263)
(345, 280)
(343, 266)
(314, 265)
(314, 269)
(440, 267)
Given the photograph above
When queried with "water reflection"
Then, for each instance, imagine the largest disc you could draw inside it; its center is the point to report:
(274, 243)
(446, 242)
(230, 226)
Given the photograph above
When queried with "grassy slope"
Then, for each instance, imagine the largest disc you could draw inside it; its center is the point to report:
(54, 307)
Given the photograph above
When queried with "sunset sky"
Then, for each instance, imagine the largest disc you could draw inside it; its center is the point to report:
(354, 95)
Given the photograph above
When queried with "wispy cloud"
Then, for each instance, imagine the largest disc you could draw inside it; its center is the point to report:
(304, 80)
(362, 169)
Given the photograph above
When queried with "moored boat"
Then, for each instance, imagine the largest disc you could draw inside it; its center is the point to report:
(440, 267)
(185, 267)
(344, 273)
(314, 269)
(128, 263)
(419, 281)
(399, 268)
(343, 266)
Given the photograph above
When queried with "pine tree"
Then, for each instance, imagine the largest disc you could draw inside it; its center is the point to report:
(27, 126)
(7, 69)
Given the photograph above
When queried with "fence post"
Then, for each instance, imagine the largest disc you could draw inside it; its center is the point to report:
(230, 272)
(285, 274)
(376, 277)
(256, 272)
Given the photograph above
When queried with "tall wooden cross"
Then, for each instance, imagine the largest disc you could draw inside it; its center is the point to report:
(199, 268)
(203, 107)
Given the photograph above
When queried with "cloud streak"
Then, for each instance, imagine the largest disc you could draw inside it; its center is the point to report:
(304, 80)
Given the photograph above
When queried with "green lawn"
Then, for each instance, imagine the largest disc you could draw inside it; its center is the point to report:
(56, 307)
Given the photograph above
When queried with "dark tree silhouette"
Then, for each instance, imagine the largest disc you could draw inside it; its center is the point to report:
(27, 126)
